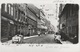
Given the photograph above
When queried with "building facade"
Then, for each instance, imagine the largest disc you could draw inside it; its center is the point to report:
(32, 17)
(7, 21)
(68, 21)
(17, 18)
(41, 23)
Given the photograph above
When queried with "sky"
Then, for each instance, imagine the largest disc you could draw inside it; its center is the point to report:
(50, 11)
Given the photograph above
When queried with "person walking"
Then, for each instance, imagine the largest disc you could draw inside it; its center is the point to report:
(39, 33)
(58, 38)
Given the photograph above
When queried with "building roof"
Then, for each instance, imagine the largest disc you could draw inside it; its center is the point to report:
(42, 12)
(34, 9)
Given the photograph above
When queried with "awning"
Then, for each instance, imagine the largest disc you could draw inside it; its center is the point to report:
(40, 22)
(34, 9)
(42, 27)
(6, 19)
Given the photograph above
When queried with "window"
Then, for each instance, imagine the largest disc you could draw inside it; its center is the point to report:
(15, 15)
(63, 25)
(5, 7)
(20, 16)
(12, 11)
(9, 9)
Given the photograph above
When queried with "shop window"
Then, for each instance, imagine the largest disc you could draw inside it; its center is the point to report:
(63, 25)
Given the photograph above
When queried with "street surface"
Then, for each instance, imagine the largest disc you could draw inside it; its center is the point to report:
(43, 39)
(40, 39)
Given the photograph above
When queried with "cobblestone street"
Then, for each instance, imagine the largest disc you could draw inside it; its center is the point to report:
(43, 39)
(40, 39)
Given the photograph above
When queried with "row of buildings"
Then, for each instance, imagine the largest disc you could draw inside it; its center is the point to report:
(24, 18)
(69, 21)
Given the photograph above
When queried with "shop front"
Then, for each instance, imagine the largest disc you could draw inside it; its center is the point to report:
(4, 29)
(32, 27)
(42, 28)
(8, 29)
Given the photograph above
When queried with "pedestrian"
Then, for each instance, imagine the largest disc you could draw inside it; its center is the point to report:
(39, 33)
(58, 38)
(46, 33)
(21, 35)
(16, 38)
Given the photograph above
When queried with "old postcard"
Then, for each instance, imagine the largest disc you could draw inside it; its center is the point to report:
(40, 24)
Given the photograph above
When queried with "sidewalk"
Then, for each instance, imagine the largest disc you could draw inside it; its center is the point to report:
(66, 42)
(4, 39)
(30, 36)
(10, 41)
(63, 42)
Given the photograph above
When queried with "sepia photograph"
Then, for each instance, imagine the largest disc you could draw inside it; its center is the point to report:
(27, 23)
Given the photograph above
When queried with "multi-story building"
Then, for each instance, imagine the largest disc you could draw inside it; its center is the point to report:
(47, 26)
(32, 17)
(18, 18)
(68, 21)
(41, 23)
(12, 20)
(7, 21)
